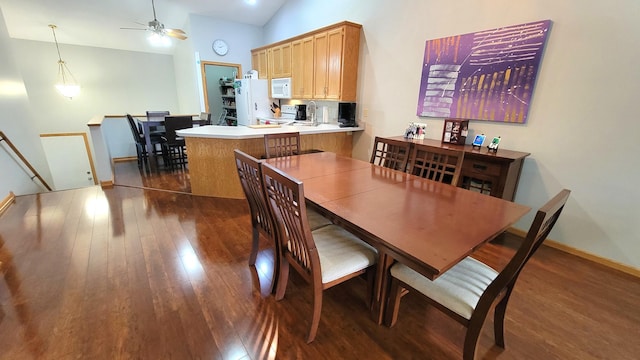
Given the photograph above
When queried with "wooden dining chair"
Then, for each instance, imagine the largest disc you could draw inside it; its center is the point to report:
(324, 257)
(390, 153)
(250, 175)
(438, 164)
(282, 144)
(467, 291)
(174, 146)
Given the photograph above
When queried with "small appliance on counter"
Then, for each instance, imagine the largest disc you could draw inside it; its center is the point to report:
(301, 112)
(347, 114)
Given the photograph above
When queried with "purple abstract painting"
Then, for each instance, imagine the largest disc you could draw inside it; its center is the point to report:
(486, 75)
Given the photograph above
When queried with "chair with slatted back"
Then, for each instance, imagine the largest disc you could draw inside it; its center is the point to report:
(250, 175)
(324, 257)
(282, 144)
(390, 153)
(438, 164)
(174, 146)
(467, 291)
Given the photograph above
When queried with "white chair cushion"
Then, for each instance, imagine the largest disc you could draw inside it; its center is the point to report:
(341, 253)
(316, 220)
(458, 289)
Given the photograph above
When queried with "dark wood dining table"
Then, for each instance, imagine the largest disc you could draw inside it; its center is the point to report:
(428, 226)
(148, 122)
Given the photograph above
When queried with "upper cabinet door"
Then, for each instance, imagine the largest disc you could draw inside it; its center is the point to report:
(302, 68)
(259, 62)
(307, 67)
(280, 60)
(321, 46)
(334, 64)
(296, 69)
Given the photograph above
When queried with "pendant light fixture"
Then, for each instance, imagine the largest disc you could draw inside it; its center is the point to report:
(66, 85)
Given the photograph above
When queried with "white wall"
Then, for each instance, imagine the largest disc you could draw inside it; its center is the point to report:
(240, 37)
(113, 82)
(203, 31)
(582, 129)
(16, 121)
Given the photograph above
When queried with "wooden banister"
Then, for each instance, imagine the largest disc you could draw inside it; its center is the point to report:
(24, 160)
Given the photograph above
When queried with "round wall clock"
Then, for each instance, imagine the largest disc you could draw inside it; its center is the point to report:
(220, 47)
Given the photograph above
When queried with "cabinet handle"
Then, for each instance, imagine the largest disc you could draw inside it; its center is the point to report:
(480, 167)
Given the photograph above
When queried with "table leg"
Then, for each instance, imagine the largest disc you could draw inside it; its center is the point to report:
(381, 287)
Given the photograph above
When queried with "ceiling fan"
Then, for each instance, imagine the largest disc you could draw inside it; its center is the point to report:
(158, 28)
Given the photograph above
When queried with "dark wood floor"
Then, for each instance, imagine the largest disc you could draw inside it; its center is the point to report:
(131, 273)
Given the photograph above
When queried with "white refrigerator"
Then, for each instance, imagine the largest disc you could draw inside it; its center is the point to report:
(252, 101)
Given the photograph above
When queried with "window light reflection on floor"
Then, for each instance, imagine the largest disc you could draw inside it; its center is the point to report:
(96, 208)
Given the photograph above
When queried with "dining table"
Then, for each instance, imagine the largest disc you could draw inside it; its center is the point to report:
(149, 122)
(426, 225)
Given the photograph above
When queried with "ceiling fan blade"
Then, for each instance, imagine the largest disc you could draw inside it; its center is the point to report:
(125, 28)
(175, 34)
(179, 31)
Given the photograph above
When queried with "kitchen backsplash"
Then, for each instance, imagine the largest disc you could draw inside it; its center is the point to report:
(331, 107)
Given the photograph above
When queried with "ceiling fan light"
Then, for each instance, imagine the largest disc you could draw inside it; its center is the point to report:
(159, 40)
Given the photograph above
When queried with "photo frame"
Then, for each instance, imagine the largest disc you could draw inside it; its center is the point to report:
(455, 131)
(478, 141)
(493, 145)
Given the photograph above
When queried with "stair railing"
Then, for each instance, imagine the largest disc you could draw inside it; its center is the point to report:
(4, 138)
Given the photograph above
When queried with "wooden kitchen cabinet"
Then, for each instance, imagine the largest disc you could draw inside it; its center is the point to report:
(491, 173)
(323, 63)
(279, 57)
(336, 63)
(260, 63)
(302, 68)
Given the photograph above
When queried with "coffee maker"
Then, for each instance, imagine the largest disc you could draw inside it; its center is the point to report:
(347, 114)
(301, 112)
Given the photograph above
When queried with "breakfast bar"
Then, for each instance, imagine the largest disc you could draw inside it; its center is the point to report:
(210, 151)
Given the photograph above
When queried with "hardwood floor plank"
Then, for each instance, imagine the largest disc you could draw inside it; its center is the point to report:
(136, 273)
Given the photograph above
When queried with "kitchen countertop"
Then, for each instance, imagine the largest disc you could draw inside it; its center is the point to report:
(243, 132)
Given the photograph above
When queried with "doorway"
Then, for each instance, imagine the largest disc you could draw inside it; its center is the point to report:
(212, 72)
(69, 160)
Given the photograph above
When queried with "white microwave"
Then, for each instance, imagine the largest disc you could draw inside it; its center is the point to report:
(281, 88)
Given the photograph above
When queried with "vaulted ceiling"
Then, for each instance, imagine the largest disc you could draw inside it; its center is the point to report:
(98, 22)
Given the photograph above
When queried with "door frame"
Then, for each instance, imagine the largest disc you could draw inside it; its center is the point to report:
(203, 75)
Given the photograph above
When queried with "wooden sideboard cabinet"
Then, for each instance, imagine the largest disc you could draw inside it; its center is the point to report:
(496, 174)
